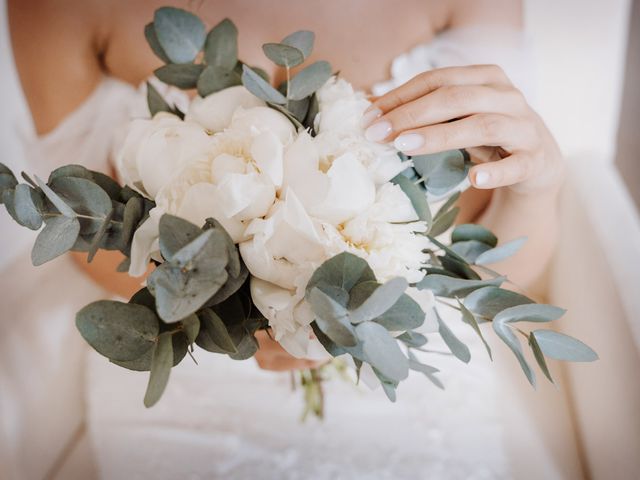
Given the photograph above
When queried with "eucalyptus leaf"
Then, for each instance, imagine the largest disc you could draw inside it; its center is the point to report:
(417, 197)
(444, 222)
(404, 314)
(119, 331)
(539, 356)
(501, 252)
(57, 202)
(77, 171)
(152, 40)
(143, 363)
(343, 270)
(182, 76)
(108, 184)
(260, 88)
(470, 319)
(332, 318)
(532, 312)
(446, 286)
(489, 301)
(451, 201)
(459, 349)
(180, 33)
(216, 332)
(57, 237)
(215, 78)
(175, 233)
(443, 171)
(302, 40)
(389, 390)
(85, 198)
(27, 204)
(563, 347)
(235, 263)
(427, 370)
(472, 231)
(412, 339)
(283, 55)
(470, 249)
(192, 276)
(308, 80)
(380, 300)
(505, 333)
(161, 363)
(221, 45)
(133, 212)
(155, 101)
(98, 237)
(381, 350)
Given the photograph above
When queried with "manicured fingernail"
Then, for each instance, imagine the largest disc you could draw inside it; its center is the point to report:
(378, 131)
(369, 116)
(482, 178)
(409, 142)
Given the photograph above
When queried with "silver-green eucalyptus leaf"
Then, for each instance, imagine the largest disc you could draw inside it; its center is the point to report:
(175, 233)
(532, 312)
(470, 319)
(283, 55)
(309, 79)
(152, 40)
(57, 202)
(380, 300)
(215, 78)
(444, 222)
(504, 332)
(443, 171)
(446, 286)
(180, 34)
(260, 88)
(182, 76)
(155, 102)
(487, 302)
(217, 336)
(161, 363)
(28, 205)
(500, 252)
(57, 237)
(417, 197)
(344, 270)
(459, 349)
(472, 231)
(332, 318)
(221, 46)
(302, 40)
(563, 347)
(539, 356)
(119, 331)
(86, 199)
(382, 351)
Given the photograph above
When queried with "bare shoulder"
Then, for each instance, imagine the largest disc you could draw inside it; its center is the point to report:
(465, 13)
(56, 46)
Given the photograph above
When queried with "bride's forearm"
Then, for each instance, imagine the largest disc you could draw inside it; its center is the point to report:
(511, 215)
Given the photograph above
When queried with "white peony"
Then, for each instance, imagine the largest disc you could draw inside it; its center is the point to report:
(214, 112)
(235, 181)
(285, 248)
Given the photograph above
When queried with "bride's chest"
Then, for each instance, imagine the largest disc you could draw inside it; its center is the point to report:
(359, 38)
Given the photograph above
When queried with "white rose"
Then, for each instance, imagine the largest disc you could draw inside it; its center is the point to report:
(234, 182)
(156, 148)
(214, 112)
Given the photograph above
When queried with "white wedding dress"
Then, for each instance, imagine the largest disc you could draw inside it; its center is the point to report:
(229, 419)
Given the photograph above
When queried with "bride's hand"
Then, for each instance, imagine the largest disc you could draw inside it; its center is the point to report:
(271, 356)
(476, 108)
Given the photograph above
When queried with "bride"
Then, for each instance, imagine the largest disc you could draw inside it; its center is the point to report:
(80, 63)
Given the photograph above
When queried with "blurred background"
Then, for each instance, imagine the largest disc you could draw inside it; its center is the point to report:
(587, 55)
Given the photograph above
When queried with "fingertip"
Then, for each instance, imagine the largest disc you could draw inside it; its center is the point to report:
(370, 115)
(481, 178)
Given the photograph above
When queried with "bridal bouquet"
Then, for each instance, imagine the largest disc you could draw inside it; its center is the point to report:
(264, 207)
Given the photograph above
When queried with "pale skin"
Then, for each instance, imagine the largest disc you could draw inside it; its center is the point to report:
(519, 166)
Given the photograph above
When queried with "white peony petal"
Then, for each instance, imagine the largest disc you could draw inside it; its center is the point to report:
(351, 191)
(224, 164)
(247, 196)
(301, 173)
(214, 112)
(145, 243)
(202, 201)
(263, 119)
(266, 151)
